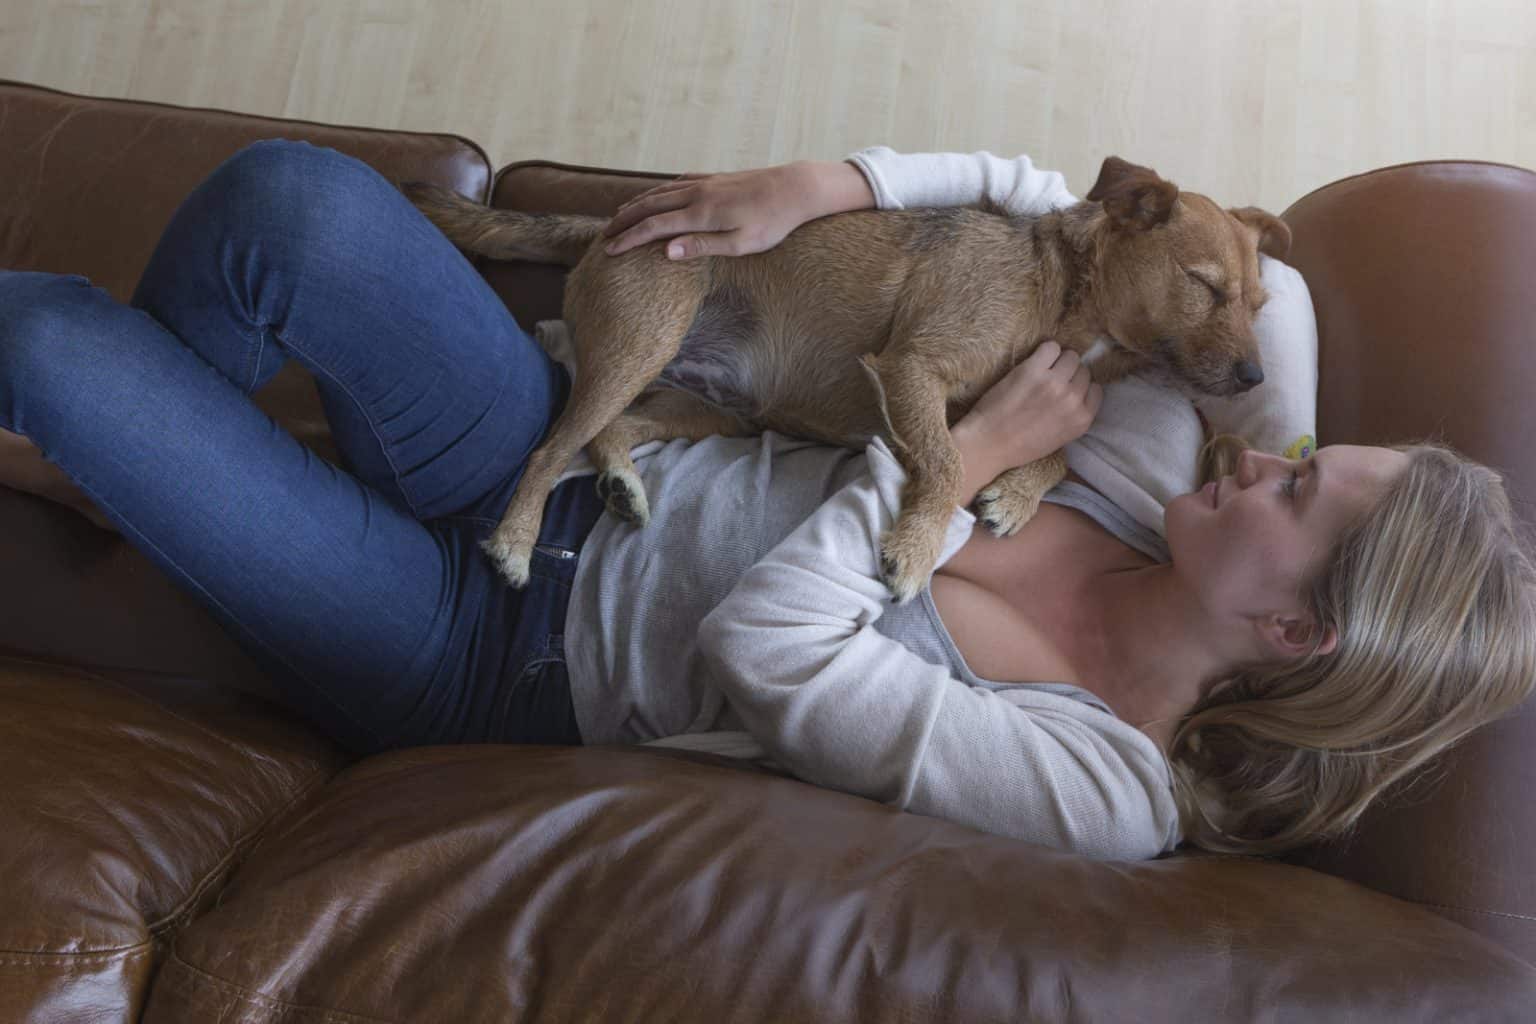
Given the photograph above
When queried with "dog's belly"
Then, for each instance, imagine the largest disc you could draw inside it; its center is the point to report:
(760, 373)
(713, 361)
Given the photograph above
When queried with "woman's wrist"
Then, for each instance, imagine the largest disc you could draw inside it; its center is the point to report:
(836, 186)
(975, 458)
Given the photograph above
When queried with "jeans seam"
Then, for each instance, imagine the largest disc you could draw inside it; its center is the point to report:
(261, 346)
(480, 520)
(276, 655)
(287, 340)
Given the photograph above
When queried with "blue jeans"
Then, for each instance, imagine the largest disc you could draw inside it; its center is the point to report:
(362, 591)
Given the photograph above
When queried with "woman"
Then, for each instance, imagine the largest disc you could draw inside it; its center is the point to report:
(1297, 673)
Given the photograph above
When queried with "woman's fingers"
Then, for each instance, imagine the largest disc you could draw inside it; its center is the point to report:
(720, 243)
(681, 181)
(659, 225)
(657, 191)
(645, 206)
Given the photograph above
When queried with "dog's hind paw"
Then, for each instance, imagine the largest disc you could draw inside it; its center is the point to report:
(512, 564)
(624, 494)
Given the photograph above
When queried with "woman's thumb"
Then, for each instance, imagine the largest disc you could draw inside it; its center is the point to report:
(687, 245)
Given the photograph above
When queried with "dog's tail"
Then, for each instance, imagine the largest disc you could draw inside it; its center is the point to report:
(505, 234)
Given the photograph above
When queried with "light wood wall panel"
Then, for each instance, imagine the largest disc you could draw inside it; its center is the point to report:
(1249, 101)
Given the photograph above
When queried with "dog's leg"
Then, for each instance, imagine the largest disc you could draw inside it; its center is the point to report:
(915, 403)
(617, 356)
(1013, 498)
(663, 415)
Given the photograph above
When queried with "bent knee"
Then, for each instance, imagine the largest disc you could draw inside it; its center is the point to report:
(298, 181)
(46, 315)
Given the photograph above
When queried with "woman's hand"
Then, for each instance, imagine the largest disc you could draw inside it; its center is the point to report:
(1044, 402)
(737, 213)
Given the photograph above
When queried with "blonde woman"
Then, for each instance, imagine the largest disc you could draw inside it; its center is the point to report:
(1247, 678)
(1306, 644)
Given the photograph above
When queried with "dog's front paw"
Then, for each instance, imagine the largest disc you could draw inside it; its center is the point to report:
(906, 561)
(1005, 509)
(511, 559)
(624, 494)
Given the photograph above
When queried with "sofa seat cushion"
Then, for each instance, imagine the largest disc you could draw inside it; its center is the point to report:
(494, 882)
(127, 801)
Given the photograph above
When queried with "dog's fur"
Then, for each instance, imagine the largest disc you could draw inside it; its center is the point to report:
(877, 322)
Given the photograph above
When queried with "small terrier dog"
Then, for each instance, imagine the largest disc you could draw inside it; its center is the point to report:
(877, 322)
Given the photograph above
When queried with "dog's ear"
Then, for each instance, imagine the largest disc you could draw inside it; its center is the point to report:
(1274, 234)
(1134, 197)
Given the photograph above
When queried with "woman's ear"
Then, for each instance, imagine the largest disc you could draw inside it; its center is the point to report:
(1295, 637)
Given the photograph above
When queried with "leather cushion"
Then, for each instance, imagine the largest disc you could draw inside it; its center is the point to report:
(128, 801)
(491, 883)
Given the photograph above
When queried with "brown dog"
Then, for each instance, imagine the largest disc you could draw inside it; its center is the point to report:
(877, 322)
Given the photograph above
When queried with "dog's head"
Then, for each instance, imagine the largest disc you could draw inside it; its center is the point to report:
(1177, 278)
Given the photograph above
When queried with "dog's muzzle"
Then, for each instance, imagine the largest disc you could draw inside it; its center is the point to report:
(1249, 375)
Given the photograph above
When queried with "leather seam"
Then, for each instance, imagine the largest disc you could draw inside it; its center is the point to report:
(69, 960)
(238, 852)
(241, 992)
(1474, 910)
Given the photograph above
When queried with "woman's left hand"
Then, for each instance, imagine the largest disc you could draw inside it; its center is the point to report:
(741, 212)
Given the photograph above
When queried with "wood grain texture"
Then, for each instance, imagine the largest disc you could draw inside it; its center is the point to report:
(1250, 101)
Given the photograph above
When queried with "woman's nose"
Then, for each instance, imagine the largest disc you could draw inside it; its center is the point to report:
(1251, 464)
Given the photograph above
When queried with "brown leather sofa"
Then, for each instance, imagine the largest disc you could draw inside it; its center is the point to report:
(176, 846)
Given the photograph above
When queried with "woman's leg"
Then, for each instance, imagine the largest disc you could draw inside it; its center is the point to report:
(434, 394)
(360, 611)
(328, 585)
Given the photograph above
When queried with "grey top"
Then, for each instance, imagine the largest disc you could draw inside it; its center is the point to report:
(717, 506)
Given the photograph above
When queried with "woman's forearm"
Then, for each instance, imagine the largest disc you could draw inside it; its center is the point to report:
(837, 186)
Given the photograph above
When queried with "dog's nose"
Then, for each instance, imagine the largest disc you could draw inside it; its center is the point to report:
(1249, 374)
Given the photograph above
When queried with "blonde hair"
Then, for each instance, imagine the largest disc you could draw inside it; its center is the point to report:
(1431, 593)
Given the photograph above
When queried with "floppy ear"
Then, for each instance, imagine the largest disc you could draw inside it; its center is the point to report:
(1273, 233)
(1134, 197)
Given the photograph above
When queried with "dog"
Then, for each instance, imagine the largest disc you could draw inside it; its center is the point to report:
(877, 322)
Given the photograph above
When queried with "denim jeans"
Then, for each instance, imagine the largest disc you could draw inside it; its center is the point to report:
(361, 590)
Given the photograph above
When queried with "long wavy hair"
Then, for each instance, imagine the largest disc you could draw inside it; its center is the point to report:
(1433, 595)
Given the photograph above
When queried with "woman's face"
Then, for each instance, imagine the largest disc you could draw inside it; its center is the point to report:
(1248, 542)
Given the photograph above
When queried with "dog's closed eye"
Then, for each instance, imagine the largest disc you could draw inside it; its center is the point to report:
(1217, 292)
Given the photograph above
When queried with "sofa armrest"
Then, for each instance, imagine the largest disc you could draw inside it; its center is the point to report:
(1420, 275)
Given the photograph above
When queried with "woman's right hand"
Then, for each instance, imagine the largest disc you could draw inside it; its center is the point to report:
(1036, 408)
(740, 212)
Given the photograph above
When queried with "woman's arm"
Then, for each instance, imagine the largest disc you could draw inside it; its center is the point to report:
(751, 211)
(904, 180)
(837, 703)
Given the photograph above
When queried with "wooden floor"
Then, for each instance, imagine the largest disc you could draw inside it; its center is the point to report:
(1251, 102)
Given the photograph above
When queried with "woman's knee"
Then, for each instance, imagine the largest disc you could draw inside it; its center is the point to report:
(298, 190)
(45, 321)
